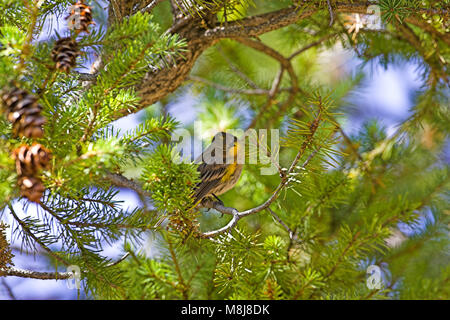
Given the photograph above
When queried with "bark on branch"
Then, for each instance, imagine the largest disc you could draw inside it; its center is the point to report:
(16, 272)
(157, 84)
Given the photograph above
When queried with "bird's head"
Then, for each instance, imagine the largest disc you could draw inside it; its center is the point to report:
(223, 147)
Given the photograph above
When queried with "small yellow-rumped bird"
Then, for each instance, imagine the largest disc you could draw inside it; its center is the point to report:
(219, 168)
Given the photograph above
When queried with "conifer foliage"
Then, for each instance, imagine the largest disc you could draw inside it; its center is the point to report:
(335, 207)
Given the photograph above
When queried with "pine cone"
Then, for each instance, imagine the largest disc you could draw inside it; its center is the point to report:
(24, 112)
(31, 188)
(30, 160)
(65, 53)
(80, 17)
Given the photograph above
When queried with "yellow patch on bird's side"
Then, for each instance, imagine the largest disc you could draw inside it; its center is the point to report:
(229, 172)
(232, 166)
(233, 150)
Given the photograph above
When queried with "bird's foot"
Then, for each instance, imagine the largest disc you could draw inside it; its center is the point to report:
(218, 200)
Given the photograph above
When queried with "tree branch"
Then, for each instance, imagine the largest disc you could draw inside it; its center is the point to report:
(227, 89)
(86, 76)
(35, 238)
(114, 263)
(16, 272)
(236, 70)
(159, 83)
(292, 234)
(312, 44)
(149, 7)
(330, 11)
(8, 289)
(120, 181)
(285, 65)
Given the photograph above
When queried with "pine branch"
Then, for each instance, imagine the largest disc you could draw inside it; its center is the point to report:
(438, 70)
(312, 45)
(176, 11)
(114, 263)
(16, 272)
(183, 286)
(27, 230)
(227, 89)
(158, 84)
(292, 234)
(9, 290)
(33, 11)
(120, 181)
(285, 64)
(330, 10)
(149, 7)
(236, 70)
(86, 76)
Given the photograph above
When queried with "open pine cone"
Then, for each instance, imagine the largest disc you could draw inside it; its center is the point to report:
(24, 112)
(65, 53)
(80, 17)
(30, 160)
(31, 188)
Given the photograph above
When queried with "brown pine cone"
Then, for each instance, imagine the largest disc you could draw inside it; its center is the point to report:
(65, 53)
(80, 17)
(30, 160)
(31, 188)
(24, 112)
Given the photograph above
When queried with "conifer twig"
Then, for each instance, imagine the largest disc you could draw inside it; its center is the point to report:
(111, 264)
(292, 235)
(120, 181)
(27, 230)
(86, 76)
(9, 290)
(149, 7)
(311, 45)
(285, 64)
(330, 10)
(227, 89)
(16, 272)
(183, 286)
(236, 70)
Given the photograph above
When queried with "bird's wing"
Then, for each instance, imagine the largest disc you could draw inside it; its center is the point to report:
(210, 176)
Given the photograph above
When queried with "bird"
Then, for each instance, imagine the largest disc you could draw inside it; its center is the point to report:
(219, 167)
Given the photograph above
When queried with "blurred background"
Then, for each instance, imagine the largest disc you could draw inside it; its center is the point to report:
(385, 94)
